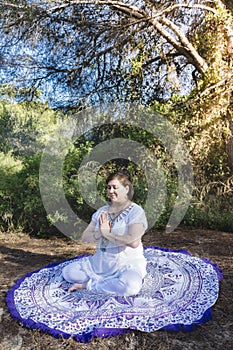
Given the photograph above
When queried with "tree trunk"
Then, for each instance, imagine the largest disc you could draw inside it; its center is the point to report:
(229, 145)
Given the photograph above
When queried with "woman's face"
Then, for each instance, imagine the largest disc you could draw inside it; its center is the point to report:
(116, 191)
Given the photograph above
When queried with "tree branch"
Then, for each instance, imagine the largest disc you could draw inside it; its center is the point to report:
(186, 47)
(183, 46)
(188, 6)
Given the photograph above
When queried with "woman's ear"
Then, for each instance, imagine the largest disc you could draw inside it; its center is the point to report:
(127, 189)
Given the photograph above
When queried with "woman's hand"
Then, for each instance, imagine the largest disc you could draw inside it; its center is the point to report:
(104, 224)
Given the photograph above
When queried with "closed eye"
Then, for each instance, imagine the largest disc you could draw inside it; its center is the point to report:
(114, 187)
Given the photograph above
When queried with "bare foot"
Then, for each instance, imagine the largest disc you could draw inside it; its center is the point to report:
(76, 286)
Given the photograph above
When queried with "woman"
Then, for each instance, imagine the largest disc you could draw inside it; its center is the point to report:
(118, 266)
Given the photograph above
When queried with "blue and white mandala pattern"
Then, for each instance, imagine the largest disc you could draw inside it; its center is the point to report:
(178, 292)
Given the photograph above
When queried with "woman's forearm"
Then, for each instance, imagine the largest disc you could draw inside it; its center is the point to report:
(132, 239)
(123, 240)
(90, 234)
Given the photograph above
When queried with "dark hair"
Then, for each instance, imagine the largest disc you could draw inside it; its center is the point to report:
(124, 180)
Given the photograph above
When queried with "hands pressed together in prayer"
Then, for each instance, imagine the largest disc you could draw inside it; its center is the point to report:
(132, 239)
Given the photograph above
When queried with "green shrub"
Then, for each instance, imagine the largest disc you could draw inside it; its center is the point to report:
(20, 197)
(9, 168)
(21, 205)
(215, 213)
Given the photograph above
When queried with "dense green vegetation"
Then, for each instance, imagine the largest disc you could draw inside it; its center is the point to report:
(25, 131)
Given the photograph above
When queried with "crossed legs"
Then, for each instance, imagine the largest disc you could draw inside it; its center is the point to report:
(127, 283)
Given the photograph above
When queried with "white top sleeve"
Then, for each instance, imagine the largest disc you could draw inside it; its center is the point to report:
(137, 216)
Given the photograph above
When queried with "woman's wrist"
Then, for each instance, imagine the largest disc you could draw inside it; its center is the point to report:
(105, 233)
(96, 235)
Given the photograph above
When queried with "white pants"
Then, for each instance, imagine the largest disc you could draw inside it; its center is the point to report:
(126, 283)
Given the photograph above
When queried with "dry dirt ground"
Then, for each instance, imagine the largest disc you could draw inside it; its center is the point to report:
(20, 254)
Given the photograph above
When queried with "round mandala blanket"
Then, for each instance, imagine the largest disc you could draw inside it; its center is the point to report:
(178, 293)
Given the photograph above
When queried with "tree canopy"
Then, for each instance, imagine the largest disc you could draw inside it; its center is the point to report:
(174, 55)
(90, 51)
(133, 50)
